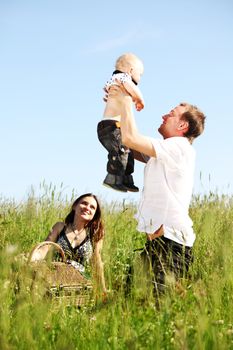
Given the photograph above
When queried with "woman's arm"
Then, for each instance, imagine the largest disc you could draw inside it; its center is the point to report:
(52, 237)
(98, 267)
(54, 233)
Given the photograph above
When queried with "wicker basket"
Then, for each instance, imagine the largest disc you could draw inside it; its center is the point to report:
(63, 281)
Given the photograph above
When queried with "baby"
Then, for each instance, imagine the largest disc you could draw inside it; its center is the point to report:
(120, 166)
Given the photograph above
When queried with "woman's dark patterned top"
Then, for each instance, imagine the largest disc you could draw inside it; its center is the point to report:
(81, 253)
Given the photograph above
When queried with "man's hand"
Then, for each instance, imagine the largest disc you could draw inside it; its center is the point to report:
(105, 98)
(119, 93)
(114, 91)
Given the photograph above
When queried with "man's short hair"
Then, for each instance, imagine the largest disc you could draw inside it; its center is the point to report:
(196, 119)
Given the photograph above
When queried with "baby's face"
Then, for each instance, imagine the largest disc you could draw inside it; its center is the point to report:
(137, 71)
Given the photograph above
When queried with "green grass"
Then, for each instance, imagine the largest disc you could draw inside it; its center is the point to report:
(196, 314)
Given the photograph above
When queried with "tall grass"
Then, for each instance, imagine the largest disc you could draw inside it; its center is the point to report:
(195, 314)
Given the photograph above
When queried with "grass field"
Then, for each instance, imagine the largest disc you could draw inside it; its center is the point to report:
(196, 314)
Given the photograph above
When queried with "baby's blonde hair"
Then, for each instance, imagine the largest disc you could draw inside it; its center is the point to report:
(126, 61)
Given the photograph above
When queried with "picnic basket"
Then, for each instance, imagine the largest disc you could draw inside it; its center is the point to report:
(61, 279)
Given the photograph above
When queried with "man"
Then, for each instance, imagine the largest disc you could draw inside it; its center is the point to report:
(168, 181)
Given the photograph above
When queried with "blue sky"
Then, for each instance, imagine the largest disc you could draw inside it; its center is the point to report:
(55, 57)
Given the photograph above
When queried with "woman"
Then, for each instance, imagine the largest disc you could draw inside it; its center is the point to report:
(81, 236)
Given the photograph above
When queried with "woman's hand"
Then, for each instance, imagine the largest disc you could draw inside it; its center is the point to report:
(37, 256)
(106, 295)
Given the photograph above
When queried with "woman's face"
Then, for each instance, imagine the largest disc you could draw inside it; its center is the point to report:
(85, 209)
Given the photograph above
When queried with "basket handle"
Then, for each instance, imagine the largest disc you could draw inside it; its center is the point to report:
(33, 255)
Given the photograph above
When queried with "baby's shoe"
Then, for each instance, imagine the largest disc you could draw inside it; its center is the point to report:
(115, 182)
(129, 184)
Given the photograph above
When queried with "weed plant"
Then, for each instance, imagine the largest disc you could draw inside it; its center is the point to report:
(194, 314)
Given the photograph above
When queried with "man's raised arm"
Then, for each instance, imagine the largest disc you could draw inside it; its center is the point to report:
(129, 132)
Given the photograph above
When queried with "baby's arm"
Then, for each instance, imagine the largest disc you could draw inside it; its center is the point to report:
(135, 93)
(132, 89)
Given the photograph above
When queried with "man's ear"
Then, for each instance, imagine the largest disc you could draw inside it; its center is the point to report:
(183, 125)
